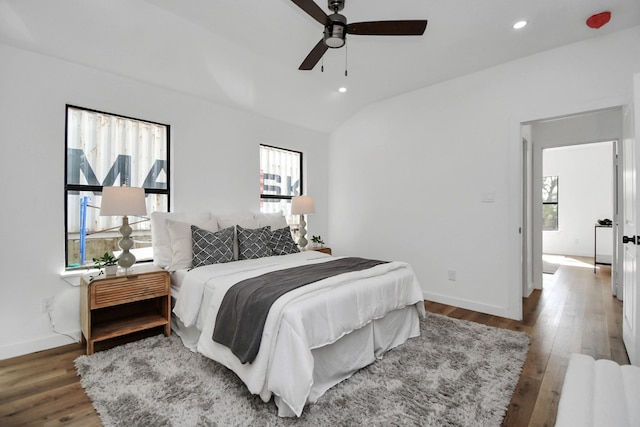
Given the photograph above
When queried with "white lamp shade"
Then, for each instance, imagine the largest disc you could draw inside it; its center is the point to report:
(301, 205)
(123, 201)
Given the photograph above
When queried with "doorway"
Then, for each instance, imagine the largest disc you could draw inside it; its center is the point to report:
(574, 132)
(578, 205)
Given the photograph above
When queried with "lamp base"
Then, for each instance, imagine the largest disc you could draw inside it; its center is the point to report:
(127, 259)
(302, 241)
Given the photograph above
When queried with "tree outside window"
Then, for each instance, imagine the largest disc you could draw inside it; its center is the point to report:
(550, 203)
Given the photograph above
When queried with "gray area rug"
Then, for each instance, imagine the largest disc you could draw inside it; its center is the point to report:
(549, 267)
(457, 373)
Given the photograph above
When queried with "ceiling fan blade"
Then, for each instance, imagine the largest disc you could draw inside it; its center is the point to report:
(314, 56)
(388, 28)
(312, 9)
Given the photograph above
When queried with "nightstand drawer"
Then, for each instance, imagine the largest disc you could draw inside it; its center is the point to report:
(105, 293)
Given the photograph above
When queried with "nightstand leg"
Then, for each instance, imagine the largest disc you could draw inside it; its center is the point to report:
(167, 312)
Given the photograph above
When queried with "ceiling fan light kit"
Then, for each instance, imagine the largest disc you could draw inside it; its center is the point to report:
(335, 31)
(336, 28)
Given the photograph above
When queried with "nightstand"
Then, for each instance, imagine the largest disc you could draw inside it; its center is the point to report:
(113, 306)
(323, 249)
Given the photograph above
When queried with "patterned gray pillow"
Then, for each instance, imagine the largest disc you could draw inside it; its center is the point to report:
(282, 243)
(211, 247)
(253, 243)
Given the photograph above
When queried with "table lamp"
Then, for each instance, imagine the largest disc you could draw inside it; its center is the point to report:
(124, 201)
(301, 205)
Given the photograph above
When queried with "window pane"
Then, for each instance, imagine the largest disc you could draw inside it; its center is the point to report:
(550, 203)
(550, 216)
(280, 178)
(102, 232)
(104, 149)
(280, 172)
(550, 189)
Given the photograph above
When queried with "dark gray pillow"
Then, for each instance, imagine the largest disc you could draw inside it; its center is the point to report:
(253, 242)
(211, 247)
(282, 243)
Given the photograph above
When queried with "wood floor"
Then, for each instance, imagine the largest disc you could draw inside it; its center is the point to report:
(575, 312)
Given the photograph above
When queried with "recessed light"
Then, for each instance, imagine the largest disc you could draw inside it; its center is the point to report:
(342, 90)
(519, 24)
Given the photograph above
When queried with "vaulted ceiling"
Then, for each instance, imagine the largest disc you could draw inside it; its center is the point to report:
(246, 53)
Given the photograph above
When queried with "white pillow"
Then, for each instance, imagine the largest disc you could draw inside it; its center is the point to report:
(181, 241)
(160, 240)
(274, 220)
(245, 220)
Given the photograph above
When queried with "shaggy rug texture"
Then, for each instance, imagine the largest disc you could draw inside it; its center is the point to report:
(457, 373)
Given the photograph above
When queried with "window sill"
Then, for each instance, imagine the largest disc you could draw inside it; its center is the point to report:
(72, 277)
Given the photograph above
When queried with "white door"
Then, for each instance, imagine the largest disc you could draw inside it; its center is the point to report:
(617, 263)
(631, 156)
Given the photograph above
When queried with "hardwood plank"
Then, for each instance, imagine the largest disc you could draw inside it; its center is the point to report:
(549, 392)
(575, 311)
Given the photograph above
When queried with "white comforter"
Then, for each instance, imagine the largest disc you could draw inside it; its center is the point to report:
(309, 317)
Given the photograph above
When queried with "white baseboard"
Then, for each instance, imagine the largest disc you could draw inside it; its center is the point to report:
(8, 351)
(469, 305)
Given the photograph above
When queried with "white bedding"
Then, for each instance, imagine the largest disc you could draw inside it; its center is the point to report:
(308, 318)
(177, 277)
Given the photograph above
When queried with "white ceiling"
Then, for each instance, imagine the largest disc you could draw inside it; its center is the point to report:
(246, 53)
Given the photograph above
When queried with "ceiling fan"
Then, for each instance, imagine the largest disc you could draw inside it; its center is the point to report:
(336, 28)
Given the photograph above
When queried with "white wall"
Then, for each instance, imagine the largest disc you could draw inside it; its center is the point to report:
(585, 176)
(407, 175)
(215, 162)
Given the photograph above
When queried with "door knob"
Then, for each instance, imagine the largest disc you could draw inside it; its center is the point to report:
(627, 239)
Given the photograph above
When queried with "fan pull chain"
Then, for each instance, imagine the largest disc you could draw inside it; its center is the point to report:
(346, 56)
(322, 66)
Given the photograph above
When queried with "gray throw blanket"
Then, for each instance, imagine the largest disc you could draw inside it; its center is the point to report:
(246, 304)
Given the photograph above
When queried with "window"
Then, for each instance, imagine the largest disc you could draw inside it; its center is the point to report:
(550, 203)
(105, 149)
(280, 180)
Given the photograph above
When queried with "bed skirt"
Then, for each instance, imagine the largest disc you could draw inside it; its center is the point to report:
(336, 362)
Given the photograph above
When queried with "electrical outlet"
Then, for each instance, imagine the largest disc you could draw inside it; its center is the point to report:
(46, 305)
(488, 197)
(452, 275)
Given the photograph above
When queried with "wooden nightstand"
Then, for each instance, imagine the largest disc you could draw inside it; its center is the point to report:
(113, 306)
(324, 250)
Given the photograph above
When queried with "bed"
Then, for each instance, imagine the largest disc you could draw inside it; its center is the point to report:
(314, 336)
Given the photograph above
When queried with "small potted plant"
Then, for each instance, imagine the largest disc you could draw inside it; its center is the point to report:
(108, 262)
(317, 241)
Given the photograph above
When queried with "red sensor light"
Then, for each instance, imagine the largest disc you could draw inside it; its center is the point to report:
(598, 20)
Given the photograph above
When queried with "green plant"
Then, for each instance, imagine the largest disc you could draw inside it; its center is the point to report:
(103, 261)
(317, 239)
